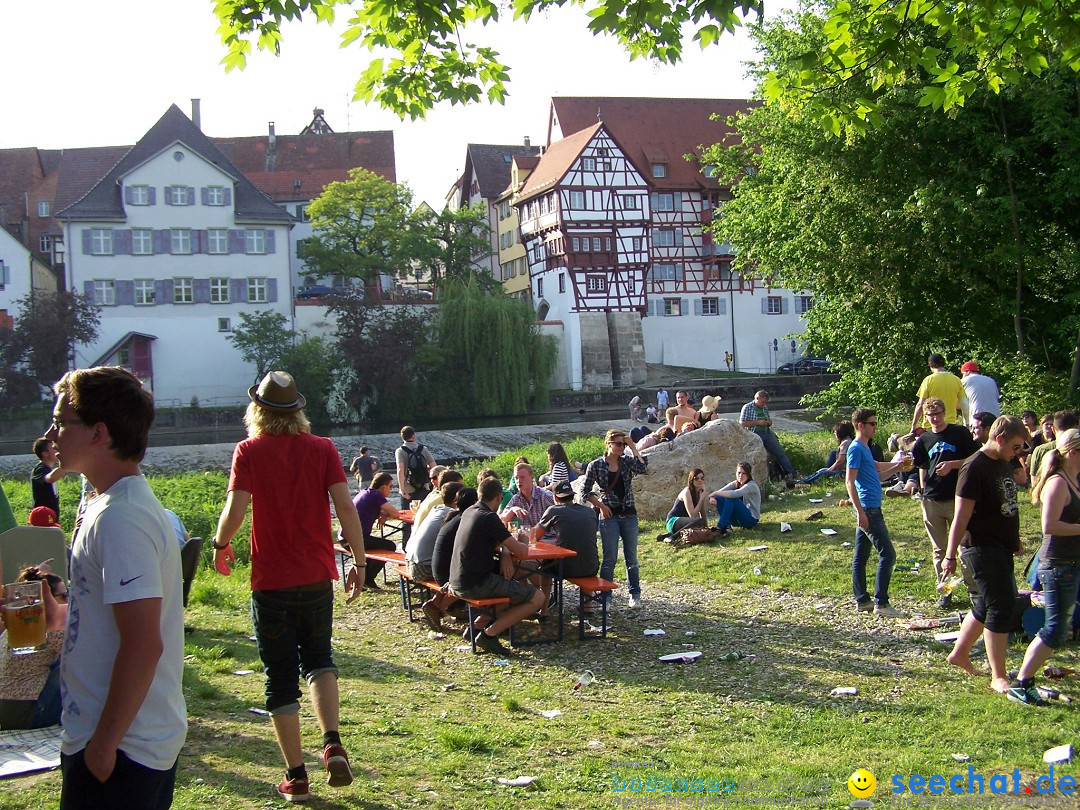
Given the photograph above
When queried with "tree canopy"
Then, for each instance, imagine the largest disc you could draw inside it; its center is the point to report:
(262, 338)
(955, 233)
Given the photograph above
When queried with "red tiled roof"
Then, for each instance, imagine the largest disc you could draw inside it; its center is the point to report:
(81, 168)
(20, 170)
(282, 185)
(652, 130)
(554, 163)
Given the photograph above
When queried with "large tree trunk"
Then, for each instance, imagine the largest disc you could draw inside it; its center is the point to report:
(1018, 253)
(1074, 379)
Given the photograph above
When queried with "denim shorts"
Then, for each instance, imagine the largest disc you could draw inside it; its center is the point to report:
(1059, 588)
(292, 629)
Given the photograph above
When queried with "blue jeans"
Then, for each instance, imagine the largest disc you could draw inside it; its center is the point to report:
(824, 472)
(733, 512)
(292, 630)
(876, 535)
(1059, 586)
(773, 448)
(626, 527)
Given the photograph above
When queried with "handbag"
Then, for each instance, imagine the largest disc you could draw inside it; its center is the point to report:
(696, 536)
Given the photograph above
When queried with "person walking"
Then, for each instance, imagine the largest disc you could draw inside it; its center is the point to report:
(284, 473)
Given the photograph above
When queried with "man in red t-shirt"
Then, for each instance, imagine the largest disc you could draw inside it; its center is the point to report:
(284, 473)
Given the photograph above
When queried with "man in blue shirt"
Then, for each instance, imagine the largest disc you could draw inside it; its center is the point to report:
(864, 489)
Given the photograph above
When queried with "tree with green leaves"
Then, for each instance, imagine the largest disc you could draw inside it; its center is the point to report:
(452, 244)
(311, 362)
(262, 338)
(955, 233)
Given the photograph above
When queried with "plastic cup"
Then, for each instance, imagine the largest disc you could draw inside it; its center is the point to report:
(25, 617)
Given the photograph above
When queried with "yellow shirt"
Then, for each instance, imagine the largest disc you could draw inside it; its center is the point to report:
(948, 388)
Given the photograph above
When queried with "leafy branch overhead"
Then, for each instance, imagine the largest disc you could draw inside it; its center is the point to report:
(421, 55)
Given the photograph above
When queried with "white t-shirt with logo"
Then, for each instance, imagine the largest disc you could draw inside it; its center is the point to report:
(125, 550)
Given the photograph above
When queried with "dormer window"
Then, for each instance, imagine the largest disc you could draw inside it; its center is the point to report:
(659, 170)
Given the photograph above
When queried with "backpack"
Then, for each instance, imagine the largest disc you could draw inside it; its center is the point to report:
(416, 469)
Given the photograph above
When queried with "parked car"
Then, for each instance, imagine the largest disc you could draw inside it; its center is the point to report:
(806, 365)
(313, 293)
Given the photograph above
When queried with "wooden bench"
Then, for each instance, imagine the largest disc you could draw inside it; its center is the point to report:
(589, 587)
(482, 606)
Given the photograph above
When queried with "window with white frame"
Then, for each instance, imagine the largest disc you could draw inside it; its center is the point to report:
(562, 282)
(588, 164)
(604, 165)
(710, 306)
(659, 170)
(607, 244)
(219, 291)
(215, 195)
(183, 291)
(672, 306)
(630, 202)
(180, 241)
(663, 271)
(139, 195)
(595, 283)
(101, 241)
(665, 202)
(45, 243)
(176, 195)
(577, 200)
(104, 292)
(224, 325)
(596, 244)
(803, 303)
(539, 288)
(774, 305)
(575, 244)
(142, 242)
(255, 240)
(636, 241)
(256, 291)
(43, 208)
(664, 237)
(217, 240)
(144, 292)
(302, 214)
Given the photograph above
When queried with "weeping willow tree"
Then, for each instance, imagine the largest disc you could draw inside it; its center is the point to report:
(492, 359)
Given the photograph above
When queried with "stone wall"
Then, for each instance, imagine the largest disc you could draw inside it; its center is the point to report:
(595, 350)
(716, 448)
(627, 347)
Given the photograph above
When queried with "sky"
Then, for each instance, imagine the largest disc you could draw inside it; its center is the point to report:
(94, 74)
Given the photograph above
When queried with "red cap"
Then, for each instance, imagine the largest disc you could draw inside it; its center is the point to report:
(970, 365)
(42, 516)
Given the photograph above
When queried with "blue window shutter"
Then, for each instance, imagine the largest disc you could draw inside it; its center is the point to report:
(228, 196)
(236, 241)
(684, 307)
(86, 241)
(160, 294)
(121, 239)
(238, 290)
(202, 290)
(167, 291)
(7, 272)
(677, 200)
(88, 289)
(650, 307)
(764, 305)
(153, 195)
(271, 290)
(269, 240)
(204, 194)
(190, 195)
(125, 292)
(784, 305)
(168, 195)
(678, 237)
(199, 241)
(722, 308)
(697, 306)
(128, 195)
(162, 240)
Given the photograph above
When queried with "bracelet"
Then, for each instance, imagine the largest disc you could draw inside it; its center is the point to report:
(220, 548)
(950, 559)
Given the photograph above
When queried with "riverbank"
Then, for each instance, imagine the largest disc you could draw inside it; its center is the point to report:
(445, 445)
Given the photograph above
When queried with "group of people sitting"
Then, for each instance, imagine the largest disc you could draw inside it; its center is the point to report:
(738, 503)
(679, 419)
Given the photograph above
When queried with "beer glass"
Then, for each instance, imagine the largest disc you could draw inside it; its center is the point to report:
(25, 617)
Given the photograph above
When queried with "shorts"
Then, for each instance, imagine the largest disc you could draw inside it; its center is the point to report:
(421, 572)
(495, 587)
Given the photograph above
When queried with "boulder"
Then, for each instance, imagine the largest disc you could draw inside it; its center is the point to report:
(716, 448)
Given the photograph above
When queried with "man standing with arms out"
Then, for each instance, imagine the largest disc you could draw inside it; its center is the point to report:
(285, 473)
(755, 417)
(982, 392)
(124, 716)
(986, 531)
(364, 467)
(45, 475)
(864, 490)
(942, 385)
(414, 463)
(939, 454)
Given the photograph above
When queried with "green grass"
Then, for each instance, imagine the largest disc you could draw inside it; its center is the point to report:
(429, 725)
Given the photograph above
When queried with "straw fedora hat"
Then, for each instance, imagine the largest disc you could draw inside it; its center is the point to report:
(710, 403)
(277, 392)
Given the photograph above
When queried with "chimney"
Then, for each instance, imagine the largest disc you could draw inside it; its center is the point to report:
(527, 141)
(271, 149)
(196, 113)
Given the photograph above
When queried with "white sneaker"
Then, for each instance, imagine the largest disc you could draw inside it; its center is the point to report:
(889, 612)
(635, 602)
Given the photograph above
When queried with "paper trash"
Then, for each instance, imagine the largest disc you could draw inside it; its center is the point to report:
(654, 633)
(842, 691)
(1061, 753)
(517, 781)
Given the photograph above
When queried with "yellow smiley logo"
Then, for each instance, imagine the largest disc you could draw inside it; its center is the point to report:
(862, 784)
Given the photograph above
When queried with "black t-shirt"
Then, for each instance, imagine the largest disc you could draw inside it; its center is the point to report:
(479, 534)
(575, 526)
(366, 467)
(954, 442)
(995, 520)
(444, 549)
(44, 492)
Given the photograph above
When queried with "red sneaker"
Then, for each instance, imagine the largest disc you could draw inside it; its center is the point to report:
(339, 773)
(293, 790)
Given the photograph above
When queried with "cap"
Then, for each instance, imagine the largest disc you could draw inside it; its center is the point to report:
(563, 489)
(970, 365)
(42, 516)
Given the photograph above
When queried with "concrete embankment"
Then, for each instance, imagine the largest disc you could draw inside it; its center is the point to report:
(445, 445)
